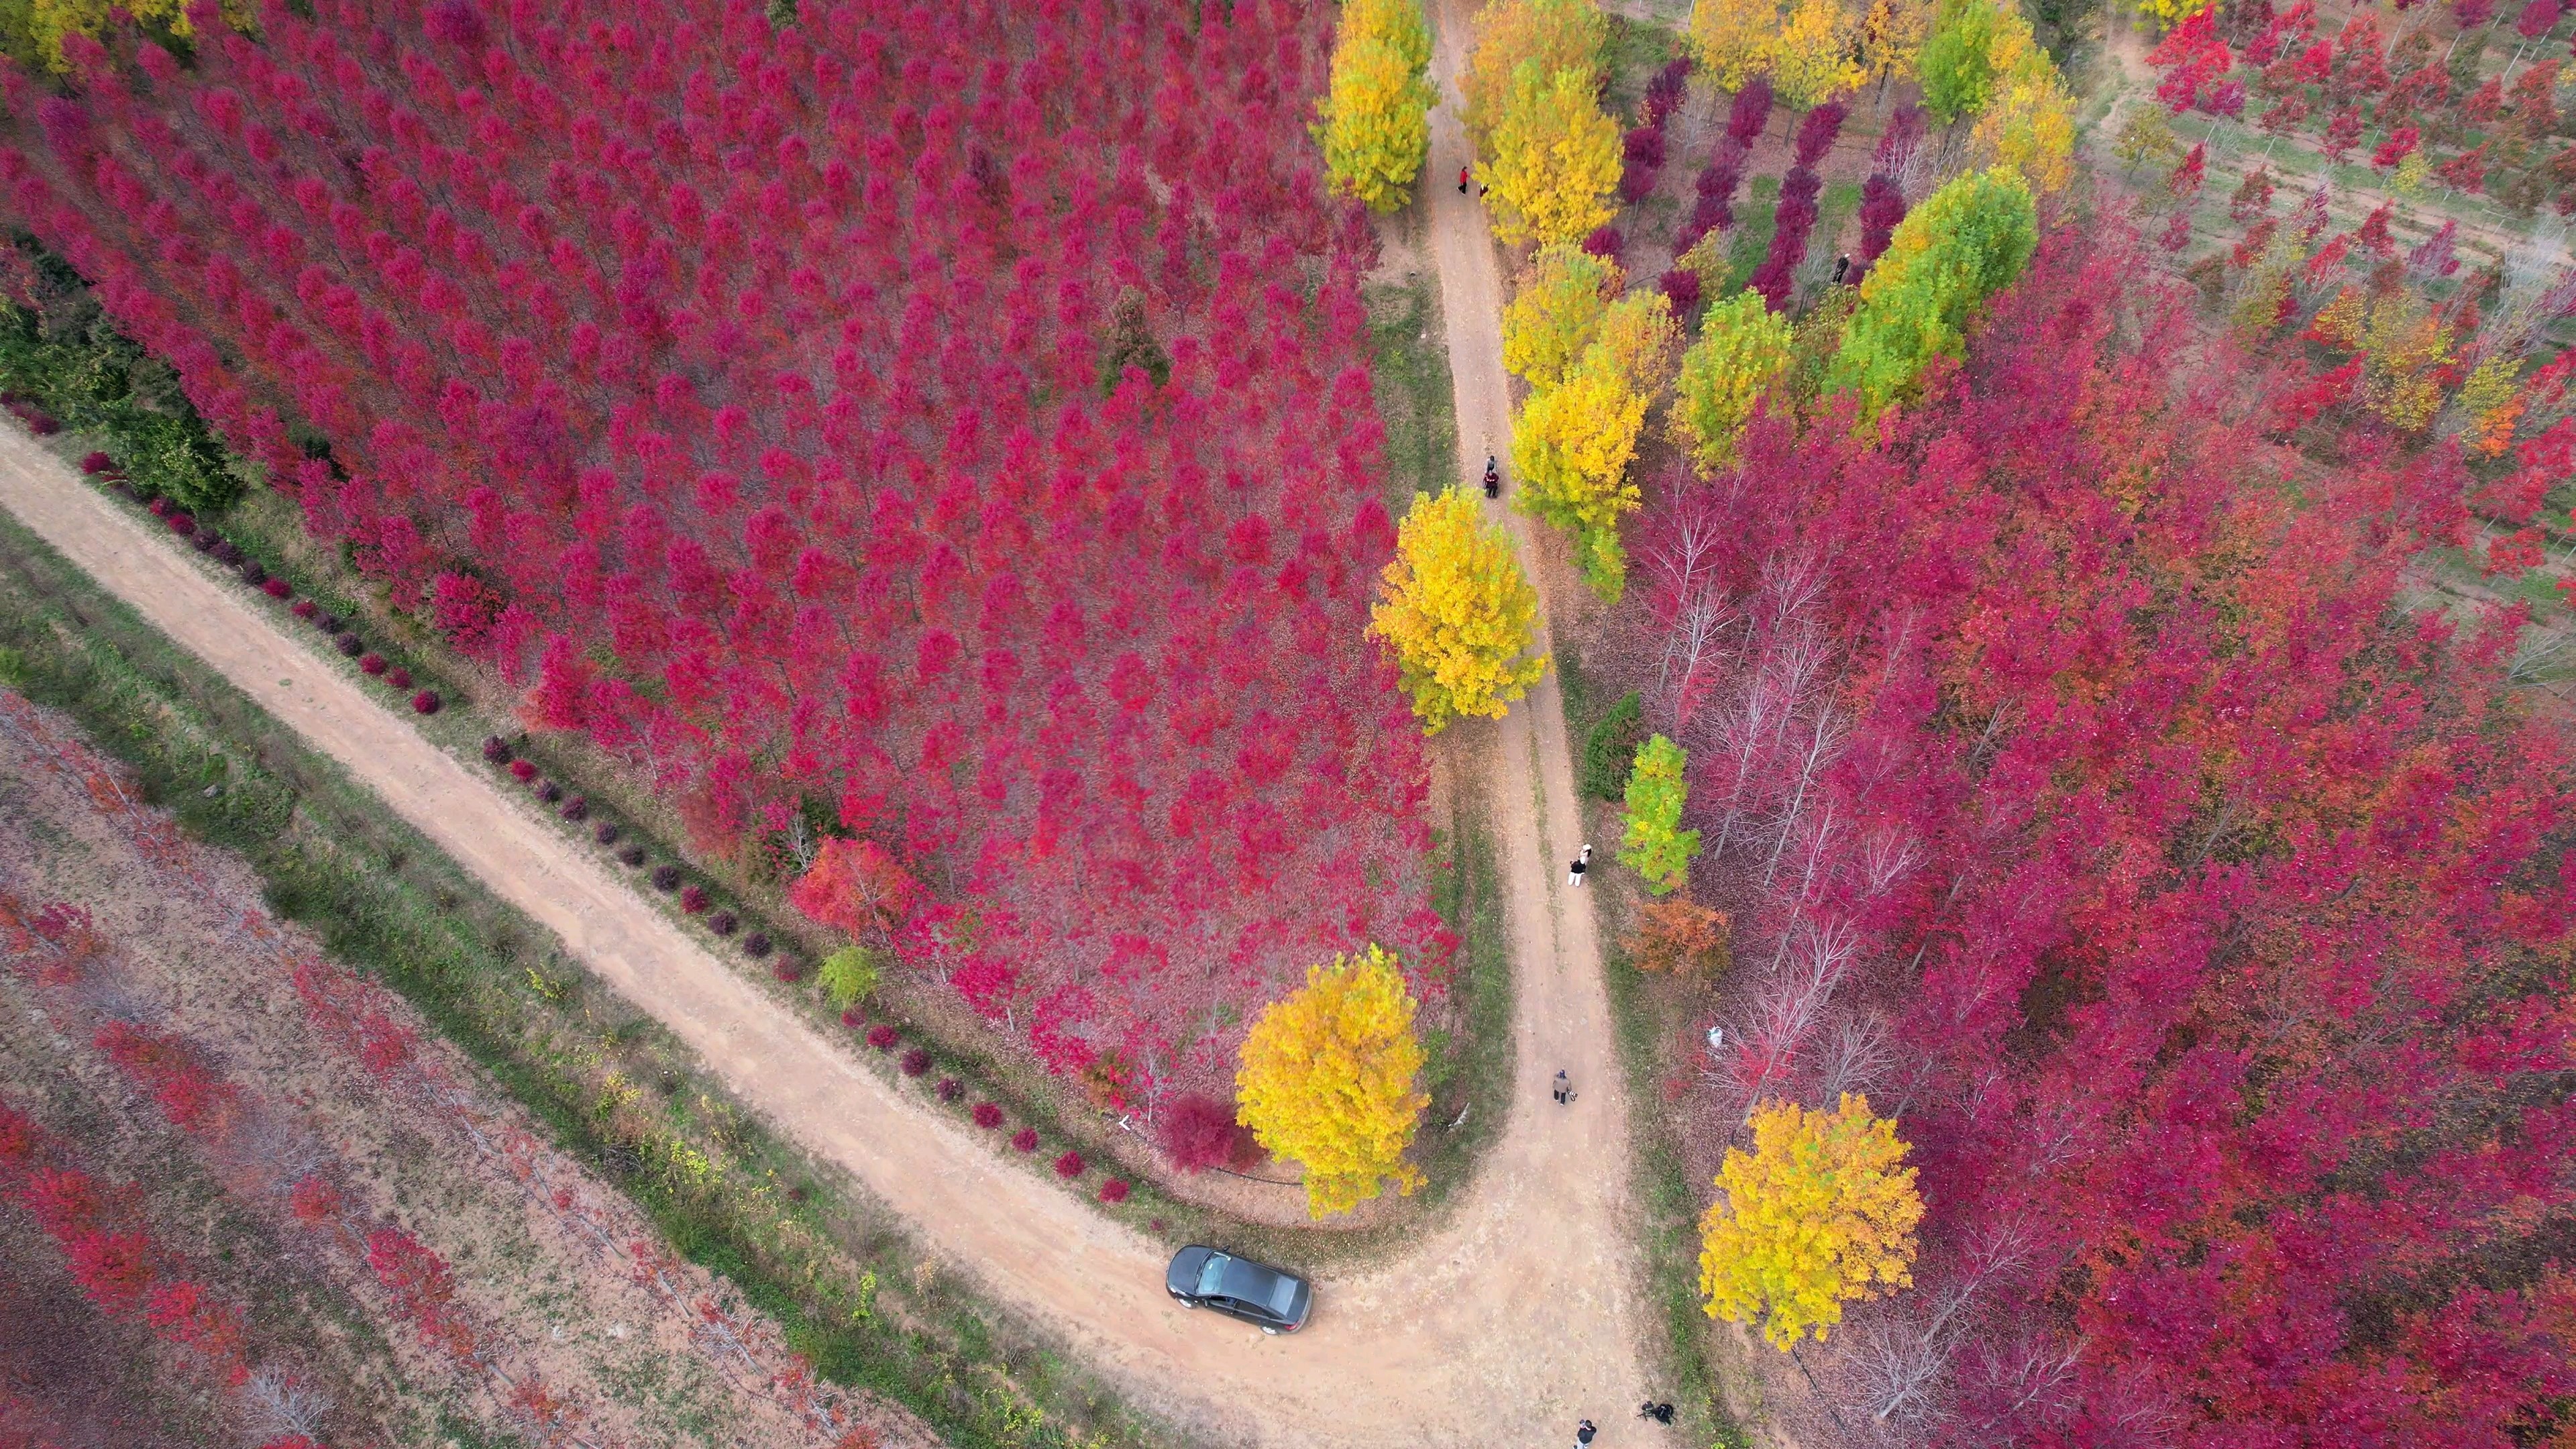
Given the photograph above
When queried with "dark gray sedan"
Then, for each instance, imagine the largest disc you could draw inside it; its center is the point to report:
(1273, 1301)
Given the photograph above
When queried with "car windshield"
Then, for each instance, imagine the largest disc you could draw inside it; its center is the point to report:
(1212, 1274)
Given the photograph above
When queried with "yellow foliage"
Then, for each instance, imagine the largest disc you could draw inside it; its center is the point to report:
(1399, 23)
(1555, 159)
(1818, 1213)
(1741, 349)
(1572, 444)
(1327, 1080)
(2493, 404)
(2406, 347)
(1891, 38)
(1556, 313)
(2339, 324)
(2170, 13)
(2412, 172)
(1558, 34)
(1457, 612)
(1376, 126)
(1736, 39)
(1642, 340)
(46, 22)
(1813, 59)
(2029, 126)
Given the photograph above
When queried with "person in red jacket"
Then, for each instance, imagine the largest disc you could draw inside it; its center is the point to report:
(1462, 180)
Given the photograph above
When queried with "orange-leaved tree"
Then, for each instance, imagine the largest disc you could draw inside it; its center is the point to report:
(854, 886)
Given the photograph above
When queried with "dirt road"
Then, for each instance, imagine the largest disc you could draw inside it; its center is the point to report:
(1514, 1318)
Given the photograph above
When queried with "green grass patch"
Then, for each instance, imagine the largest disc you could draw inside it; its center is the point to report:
(1411, 375)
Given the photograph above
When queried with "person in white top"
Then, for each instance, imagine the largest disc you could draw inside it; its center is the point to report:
(1583, 862)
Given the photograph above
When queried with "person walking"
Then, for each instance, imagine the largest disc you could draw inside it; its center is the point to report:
(1462, 180)
(1582, 863)
(1493, 477)
(1564, 1087)
(1583, 1432)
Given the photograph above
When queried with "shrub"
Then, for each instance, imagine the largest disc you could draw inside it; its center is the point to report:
(666, 877)
(255, 576)
(330, 623)
(371, 665)
(161, 507)
(425, 702)
(303, 608)
(606, 832)
(916, 1062)
(1069, 1165)
(854, 1018)
(789, 970)
(950, 1089)
(755, 945)
(523, 770)
(96, 463)
(882, 1036)
(278, 589)
(1611, 748)
(398, 677)
(632, 855)
(549, 791)
(496, 749)
(1199, 1132)
(693, 899)
(723, 923)
(1113, 1191)
(1606, 242)
(850, 973)
(1683, 286)
(350, 645)
(181, 524)
(987, 1115)
(1026, 1139)
(576, 808)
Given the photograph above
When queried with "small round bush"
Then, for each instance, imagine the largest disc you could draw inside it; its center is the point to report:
(882, 1036)
(496, 749)
(723, 923)
(755, 945)
(303, 609)
(666, 877)
(351, 645)
(854, 1018)
(1069, 1165)
(425, 702)
(549, 791)
(277, 589)
(606, 832)
(916, 1063)
(120, 488)
(632, 855)
(789, 970)
(44, 425)
(204, 540)
(255, 576)
(96, 463)
(575, 808)
(1026, 1139)
(523, 770)
(693, 900)
(227, 552)
(1114, 1190)
(182, 524)
(160, 507)
(398, 677)
(950, 1089)
(1605, 241)
(371, 664)
(330, 623)
(987, 1115)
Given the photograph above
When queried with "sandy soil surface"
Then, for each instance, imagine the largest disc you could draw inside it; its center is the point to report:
(1518, 1316)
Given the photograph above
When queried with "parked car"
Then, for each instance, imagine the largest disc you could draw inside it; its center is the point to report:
(1274, 1301)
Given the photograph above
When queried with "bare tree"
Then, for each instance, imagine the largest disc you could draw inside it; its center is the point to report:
(1857, 1052)
(281, 1407)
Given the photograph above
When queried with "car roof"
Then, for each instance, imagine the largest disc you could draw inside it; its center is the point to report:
(1250, 1282)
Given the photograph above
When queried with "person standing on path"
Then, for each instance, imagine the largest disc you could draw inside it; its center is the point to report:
(1462, 180)
(1564, 1091)
(1582, 863)
(1583, 1432)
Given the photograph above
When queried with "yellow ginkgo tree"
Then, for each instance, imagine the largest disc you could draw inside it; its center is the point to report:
(1573, 442)
(1821, 1212)
(1558, 34)
(1554, 159)
(1375, 124)
(1554, 316)
(1457, 612)
(1743, 346)
(1328, 1081)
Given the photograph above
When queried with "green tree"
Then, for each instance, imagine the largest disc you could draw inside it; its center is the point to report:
(849, 975)
(1458, 613)
(1328, 1081)
(1611, 746)
(1819, 1213)
(1949, 254)
(1559, 35)
(1656, 846)
(1957, 65)
(1376, 125)
(1741, 350)
(1556, 313)
(1555, 158)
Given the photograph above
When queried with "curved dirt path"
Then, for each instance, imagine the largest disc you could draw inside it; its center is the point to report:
(1515, 1317)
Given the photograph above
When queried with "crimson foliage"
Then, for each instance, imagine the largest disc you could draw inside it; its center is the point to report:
(1199, 1132)
(956, 415)
(2203, 910)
